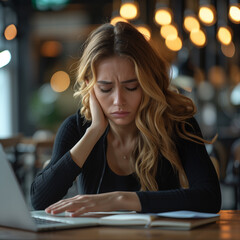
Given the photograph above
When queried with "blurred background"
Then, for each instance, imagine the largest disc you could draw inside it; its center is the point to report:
(41, 42)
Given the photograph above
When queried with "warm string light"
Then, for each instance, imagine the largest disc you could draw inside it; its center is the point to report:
(145, 31)
(228, 50)
(129, 10)
(173, 43)
(192, 26)
(224, 35)
(163, 17)
(198, 37)
(207, 15)
(168, 30)
(234, 13)
(191, 23)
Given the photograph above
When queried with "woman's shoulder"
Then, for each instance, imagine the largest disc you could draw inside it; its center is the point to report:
(189, 125)
(192, 125)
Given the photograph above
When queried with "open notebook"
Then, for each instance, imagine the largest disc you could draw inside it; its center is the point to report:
(14, 212)
(177, 220)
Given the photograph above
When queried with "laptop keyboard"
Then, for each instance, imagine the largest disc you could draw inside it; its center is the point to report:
(44, 221)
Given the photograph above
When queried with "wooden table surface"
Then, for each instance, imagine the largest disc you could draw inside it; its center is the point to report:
(228, 227)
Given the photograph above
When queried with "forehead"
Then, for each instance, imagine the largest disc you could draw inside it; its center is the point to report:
(115, 64)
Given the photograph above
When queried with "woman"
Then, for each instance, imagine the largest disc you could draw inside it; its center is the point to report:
(135, 144)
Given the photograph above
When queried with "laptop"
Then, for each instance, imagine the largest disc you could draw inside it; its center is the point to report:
(14, 211)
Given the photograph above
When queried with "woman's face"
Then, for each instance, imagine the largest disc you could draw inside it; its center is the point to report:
(117, 89)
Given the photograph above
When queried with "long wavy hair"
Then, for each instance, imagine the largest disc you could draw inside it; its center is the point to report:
(162, 112)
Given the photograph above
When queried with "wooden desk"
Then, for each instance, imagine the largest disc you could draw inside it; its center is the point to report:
(227, 228)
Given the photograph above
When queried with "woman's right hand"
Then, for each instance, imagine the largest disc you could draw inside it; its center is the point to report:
(99, 120)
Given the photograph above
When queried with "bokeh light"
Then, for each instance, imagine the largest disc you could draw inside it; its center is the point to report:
(224, 35)
(145, 31)
(5, 58)
(173, 43)
(217, 76)
(190, 23)
(163, 16)
(60, 81)
(234, 13)
(168, 30)
(198, 37)
(51, 49)
(207, 15)
(228, 50)
(10, 32)
(129, 10)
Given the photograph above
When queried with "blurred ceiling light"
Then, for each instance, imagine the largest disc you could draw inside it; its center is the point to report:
(60, 81)
(145, 31)
(217, 76)
(205, 91)
(228, 50)
(224, 35)
(10, 32)
(234, 74)
(163, 16)
(129, 10)
(5, 58)
(198, 37)
(168, 30)
(190, 23)
(209, 114)
(116, 19)
(51, 49)
(207, 14)
(234, 13)
(235, 95)
(174, 43)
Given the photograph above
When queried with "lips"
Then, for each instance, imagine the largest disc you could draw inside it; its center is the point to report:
(120, 114)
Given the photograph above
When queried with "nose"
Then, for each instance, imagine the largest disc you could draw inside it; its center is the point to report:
(119, 99)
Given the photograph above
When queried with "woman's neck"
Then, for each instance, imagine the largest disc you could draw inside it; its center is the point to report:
(122, 134)
(121, 142)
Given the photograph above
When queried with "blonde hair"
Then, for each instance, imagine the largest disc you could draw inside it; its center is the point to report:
(162, 112)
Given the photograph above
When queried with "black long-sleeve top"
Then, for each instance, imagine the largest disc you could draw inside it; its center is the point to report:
(52, 183)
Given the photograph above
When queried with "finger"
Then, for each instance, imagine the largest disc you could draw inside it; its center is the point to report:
(69, 204)
(84, 209)
(68, 207)
(61, 202)
(55, 206)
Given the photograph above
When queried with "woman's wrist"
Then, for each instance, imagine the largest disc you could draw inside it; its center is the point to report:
(128, 201)
(95, 131)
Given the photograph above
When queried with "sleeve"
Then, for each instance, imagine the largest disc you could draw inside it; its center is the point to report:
(52, 183)
(203, 194)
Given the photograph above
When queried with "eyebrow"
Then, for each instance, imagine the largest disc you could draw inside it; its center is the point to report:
(123, 82)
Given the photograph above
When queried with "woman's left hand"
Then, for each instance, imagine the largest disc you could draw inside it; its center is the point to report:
(104, 202)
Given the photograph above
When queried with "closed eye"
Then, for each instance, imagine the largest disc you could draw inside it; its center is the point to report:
(132, 89)
(105, 90)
